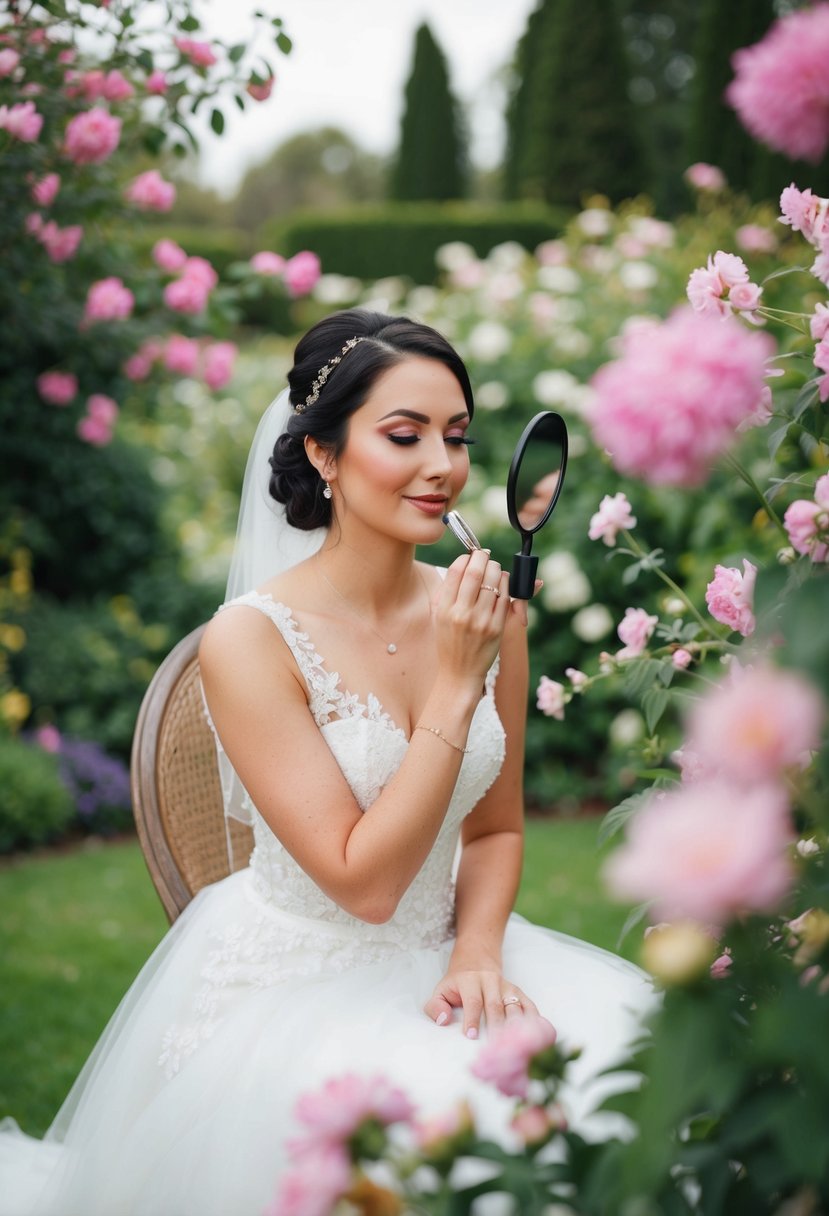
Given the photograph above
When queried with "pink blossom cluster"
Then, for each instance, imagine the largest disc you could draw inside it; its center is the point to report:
(200, 54)
(156, 83)
(635, 630)
(45, 190)
(60, 244)
(705, 177)
(730, 597)
(807, 522)
(313, 1185)
(755, 238)
(183, 356)
(97, 424)
(672, 402)
(9, 61)
(301, 273)
(57, 388)
(807, 213)
(92, 136)
(108, 300)
(614, 515)
(819, 327)
(506, 1058)
(723, 286)
(97, 84)
(190, 292)
(150, 192)
(22, 121)
(551, 698)
(780, 88)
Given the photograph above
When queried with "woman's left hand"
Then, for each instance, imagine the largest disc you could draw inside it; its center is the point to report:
(478, 993)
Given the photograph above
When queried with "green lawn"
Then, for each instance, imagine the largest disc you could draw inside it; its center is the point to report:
(77, 927)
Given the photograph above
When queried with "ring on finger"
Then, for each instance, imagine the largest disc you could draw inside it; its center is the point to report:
(494, 590)
(511, 1000)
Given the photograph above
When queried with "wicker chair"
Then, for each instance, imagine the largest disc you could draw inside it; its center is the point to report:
(174, 778)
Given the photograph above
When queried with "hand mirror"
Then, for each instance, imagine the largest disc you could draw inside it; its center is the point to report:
(534, 483)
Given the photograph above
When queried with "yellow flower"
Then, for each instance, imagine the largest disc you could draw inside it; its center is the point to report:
(678, 953)
(15, 707)
(12, 637)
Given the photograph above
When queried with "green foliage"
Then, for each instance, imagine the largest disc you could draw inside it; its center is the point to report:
(572, 126)
(431, 158)
(373, 242)
(35, 807)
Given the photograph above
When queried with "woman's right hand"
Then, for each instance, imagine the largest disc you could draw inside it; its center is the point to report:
(470, 615)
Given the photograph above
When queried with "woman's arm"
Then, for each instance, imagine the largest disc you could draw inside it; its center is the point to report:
(365, 861)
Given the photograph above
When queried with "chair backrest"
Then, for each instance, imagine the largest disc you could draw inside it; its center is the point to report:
(176, 794)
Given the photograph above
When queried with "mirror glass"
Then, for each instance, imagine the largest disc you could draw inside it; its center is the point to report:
(537, 472)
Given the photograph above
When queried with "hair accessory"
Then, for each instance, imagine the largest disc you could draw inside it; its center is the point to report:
(323, 374)
(433, 730)
(327, 492)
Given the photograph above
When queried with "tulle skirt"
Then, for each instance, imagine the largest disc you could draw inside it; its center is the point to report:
(194, 1124)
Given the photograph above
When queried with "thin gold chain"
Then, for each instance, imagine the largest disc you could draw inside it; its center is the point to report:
(391, 647)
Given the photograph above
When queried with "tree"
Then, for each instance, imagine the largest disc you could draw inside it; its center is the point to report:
(573, 126)
(431, 159)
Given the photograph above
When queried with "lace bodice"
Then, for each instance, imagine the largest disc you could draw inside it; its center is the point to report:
(369, 748)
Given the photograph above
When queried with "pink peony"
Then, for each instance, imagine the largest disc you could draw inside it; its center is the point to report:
(706, 290)
(807, 213)
(681, 658)
(754, 726)
(780, 88)
(169, 256)
(201, 270)
(731, 268)
(805, 523)
(313, 1186)
(504, 1061)
(301, 273)
(724, 273)
(34, 223)
(754, 238)
(332, 1115)
(95, 432)
(91, 137)
(266, 262)
(535, 1124)
(89, 84)
(150, 192)
(57, 388)
(705, 177)
(44, 192)
(21, 121)
(670, 405)
(116, 87)
(819, 322)
(730, 597)
(550, 698)
(219, 358)
(260, 90)
(9, 60)
(613, 515)
(199, 53)
(707, 852)
(186, 295)
(102, 408)
(720, 967)
(60, 244)
(108, 300)
(635, 631)
(181, 355)
(140, 365)
(156, 83)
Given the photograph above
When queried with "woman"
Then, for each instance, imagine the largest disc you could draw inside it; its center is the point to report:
(371, 709)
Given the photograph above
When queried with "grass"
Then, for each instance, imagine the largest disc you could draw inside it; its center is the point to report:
(78, 926)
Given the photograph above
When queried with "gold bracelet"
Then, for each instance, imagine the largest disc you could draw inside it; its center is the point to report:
(434, 731)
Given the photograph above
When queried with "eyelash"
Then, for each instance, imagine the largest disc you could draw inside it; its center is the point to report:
(455, 440)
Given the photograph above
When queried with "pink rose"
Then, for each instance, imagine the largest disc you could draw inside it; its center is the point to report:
(60, 244)
(730, 597)
(745, 297)
(49, 738)
(169, 256)
(577, 678)
(331, 1115)
(92, 137)
(762, 413)
(780, 88)
(108, 300)
(266, 262)
(102, 408)
(635, 631)
(9, 60)
(261, 90)
(93, 431)
(551, 698)
(681, 658)
(707, 852)
(21, 121)
(137, 367)
(819, 322)
(805, 523)
(219, 358)
(313, 1185)
(201, 270)
(150, 192)
(181, 355)
(301, 273)
(504, 1060)
(116, 87)
(721, 966)
(754, 238)
(34, 223)
(731, 268)
(704, 177)
(199, 53)
(705, 291)
(804, 212)
(186, 295)
(90, 84)
(45, 191)
(57, 388)
(755, 725)
(156, 83)
(670, 405)
(613, 515)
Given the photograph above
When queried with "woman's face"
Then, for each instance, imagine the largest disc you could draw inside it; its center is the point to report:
(406, 457)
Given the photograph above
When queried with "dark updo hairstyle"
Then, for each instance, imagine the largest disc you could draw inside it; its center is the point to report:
(294, 480)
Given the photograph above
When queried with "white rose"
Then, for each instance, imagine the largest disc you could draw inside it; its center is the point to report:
(565, 584)
(595, 221)
(507, 256)
(489, 340)
(627, 727)
(592, 623)
(637, 276)
(491, 395)
(336, 289)
(562, 279)
(553, 387)
(454, 255)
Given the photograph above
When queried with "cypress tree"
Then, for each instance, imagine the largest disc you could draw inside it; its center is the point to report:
(574, 129)
(431, 159)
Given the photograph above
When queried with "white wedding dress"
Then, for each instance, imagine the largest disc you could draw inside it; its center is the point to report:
(264, 988)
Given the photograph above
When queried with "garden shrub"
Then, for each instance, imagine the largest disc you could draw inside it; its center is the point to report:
(35, 805)
(99, 786)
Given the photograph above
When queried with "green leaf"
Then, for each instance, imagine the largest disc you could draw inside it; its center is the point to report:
(806, 397)
(284, 43)
(633, 918)
(153, 139)
(240, 100)
(217, 121)
(654, 703)
(667, 671)
(640, 674)
(190, 24)
(236, 52)
(616, 818)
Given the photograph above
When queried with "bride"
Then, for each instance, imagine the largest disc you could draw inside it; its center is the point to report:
(369, 717)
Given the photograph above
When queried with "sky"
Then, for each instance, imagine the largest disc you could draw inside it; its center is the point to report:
(349, 66)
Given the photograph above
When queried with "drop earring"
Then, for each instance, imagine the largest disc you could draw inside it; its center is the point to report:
(327, 492)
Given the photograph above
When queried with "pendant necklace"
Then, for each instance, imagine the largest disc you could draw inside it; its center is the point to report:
(391, 647)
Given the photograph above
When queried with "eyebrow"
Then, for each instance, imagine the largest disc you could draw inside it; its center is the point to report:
(421, 417)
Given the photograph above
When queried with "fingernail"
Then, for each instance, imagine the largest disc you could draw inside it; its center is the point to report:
(441, 1019)
(472, 1032)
